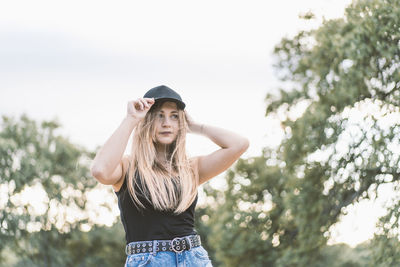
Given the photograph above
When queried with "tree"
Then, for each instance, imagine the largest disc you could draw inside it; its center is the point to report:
(43, 177)
(250, 225)
(339, 109)
(204, 215)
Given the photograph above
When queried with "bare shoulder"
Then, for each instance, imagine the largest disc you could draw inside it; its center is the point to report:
(124, 165)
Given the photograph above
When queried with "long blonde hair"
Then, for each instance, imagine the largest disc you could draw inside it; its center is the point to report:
(160, 187)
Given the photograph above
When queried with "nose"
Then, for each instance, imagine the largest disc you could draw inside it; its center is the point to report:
(166, 121)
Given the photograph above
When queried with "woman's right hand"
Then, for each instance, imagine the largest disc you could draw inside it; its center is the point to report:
(138, 108)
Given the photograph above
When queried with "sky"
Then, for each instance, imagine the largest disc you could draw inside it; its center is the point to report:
(80, 62)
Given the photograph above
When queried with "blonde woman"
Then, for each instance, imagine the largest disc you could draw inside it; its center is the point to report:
(157, 183)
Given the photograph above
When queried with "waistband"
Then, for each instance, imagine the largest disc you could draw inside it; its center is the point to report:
(178, 244)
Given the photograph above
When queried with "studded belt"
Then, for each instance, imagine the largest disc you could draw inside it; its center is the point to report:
(178, 244)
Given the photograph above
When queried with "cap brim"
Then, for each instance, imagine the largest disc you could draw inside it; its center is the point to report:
(180, 104)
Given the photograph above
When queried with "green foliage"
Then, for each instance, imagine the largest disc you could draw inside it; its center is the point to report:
(338, 107)
(348, 67)
(243, 228)
(40, 169)
(33, 156)
(203, 228)
(101, 246)
(385, 246)
(342, 255)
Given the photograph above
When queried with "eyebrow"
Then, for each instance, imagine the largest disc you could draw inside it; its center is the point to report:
(174, 111)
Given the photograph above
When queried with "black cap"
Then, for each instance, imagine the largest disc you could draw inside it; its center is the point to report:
(163, 92)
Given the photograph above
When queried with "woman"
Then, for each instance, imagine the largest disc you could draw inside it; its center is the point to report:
(157, 184)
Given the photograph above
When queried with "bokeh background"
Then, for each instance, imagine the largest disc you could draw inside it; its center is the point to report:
(312, 84)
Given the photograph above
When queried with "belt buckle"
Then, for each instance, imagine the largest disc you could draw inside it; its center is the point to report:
(179, 247)
(128, 249)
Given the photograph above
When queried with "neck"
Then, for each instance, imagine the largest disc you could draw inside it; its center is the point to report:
(164, 161)
(162, 153)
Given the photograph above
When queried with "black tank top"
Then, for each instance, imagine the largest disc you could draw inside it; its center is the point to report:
(150, 224)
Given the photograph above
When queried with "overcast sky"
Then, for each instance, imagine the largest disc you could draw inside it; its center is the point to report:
(82, 61)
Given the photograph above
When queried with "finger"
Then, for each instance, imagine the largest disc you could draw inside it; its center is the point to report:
(150, 100)
(144, 103)
(187, 115)
(139, 104)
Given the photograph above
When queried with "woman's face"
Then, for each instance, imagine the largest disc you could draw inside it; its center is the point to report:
(166, 123)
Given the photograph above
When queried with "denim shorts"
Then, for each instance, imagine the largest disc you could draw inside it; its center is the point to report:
(195, 257)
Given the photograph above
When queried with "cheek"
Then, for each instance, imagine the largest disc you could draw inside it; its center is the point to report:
(157, 125)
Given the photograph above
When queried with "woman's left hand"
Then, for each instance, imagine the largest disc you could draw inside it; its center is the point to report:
(194, 127)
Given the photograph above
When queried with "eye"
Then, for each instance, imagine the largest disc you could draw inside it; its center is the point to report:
(175, 116)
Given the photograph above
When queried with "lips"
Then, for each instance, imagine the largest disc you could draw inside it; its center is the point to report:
(166, 132)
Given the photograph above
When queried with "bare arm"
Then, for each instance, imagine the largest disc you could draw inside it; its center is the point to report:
(110, 154)
(107, 166)
(232, 147)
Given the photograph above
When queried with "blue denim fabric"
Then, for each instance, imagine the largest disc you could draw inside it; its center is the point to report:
(195, 257)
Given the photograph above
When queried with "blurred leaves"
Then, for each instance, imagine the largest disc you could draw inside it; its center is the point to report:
(43, 179)
(338, 103)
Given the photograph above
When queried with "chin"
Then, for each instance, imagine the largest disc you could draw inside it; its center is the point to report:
(165, 142)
